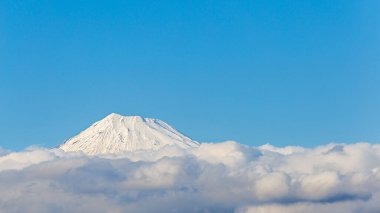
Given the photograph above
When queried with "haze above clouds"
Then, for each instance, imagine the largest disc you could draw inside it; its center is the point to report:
(221, 177)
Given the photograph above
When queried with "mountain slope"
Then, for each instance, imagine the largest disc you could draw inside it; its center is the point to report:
(116, 134)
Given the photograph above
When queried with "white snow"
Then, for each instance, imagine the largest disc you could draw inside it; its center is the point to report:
(117, 134)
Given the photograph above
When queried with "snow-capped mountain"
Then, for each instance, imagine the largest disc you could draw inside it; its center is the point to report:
(116, 134)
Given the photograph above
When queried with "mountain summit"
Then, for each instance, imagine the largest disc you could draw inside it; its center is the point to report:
(116, 134)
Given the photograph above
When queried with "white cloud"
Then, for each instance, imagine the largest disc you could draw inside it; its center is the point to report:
(222, 177)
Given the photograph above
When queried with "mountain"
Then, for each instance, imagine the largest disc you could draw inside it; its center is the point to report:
(117, 134)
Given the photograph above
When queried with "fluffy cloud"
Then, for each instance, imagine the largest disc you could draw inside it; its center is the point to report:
(221, 177)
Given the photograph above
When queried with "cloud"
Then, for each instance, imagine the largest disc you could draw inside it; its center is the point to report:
(220, 177)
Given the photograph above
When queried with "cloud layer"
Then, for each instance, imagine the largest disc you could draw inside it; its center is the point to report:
(220, 177)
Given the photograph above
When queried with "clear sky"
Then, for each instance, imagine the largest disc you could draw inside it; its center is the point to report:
(260, 71)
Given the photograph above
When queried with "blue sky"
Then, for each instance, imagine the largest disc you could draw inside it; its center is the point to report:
(280, 72)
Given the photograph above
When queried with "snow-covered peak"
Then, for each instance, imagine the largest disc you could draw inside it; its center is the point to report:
(115, 116)
(116, 134)
(114, 119)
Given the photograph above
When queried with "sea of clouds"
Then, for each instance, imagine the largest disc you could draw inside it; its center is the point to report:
(219, 177)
